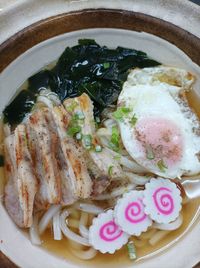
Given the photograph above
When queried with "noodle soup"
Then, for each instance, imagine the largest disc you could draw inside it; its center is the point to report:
(72, 135)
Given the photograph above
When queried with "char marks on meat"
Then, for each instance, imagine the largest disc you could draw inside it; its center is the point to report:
(22, 183)
(45, 165)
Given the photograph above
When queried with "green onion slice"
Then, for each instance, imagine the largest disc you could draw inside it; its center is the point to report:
(73, 129)
(117, 157)
(87, 141)
(80, 115)
(98, 148)
(133, 120)
(110, 170)
(114, 141)
(121, 112)
(131, 251)
(149, 152)
(106, 65)
(72, 106)
(78, 136)
(161, 165)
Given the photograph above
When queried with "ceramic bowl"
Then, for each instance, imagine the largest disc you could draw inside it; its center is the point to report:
(34, 34)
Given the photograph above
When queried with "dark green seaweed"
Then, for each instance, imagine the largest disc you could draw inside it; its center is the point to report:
(86, 67)
(15, 112)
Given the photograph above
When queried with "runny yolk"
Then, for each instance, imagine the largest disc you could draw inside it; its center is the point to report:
(159, 139)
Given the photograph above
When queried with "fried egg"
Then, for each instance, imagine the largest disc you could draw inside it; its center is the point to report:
(159, 130)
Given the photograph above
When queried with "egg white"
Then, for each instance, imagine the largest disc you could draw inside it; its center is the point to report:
(156, 93)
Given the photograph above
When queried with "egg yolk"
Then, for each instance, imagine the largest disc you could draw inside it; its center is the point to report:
(160, 141)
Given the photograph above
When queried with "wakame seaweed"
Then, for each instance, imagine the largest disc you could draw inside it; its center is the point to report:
(22, 104)
(86, 67)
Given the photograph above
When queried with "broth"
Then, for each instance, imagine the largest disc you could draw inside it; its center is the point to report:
(60, 248)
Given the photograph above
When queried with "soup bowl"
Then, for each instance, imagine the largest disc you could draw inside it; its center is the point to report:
(36, 35)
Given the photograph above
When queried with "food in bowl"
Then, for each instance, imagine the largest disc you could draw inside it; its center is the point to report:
(96, 147)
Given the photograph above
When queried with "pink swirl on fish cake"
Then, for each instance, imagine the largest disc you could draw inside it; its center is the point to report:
(134, 212)
(110, 231)
(130, 213)
(163, 200)
(105, 235)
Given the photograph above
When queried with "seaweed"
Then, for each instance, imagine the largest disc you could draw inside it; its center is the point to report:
(15, 112)
(87, 67)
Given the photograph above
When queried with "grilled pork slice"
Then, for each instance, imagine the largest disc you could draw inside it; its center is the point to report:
(102, 165)
(22, 183)
(43, 146)
(67, 194)
(79, 181)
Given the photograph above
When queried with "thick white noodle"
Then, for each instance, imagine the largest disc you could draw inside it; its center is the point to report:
(115, 193)
(56, 227)
(6, 130)
(170, 226)
(82, 225)
(109, 123)
(132, 165)
(54, 98)
(75, 245)
(104, 132)
(84, 254)
(137, 179)
(147, 235)
(45, 100)
(127, 163)
(46, 218)
(68, 233)
(158, 236)
(104, 141)
(89, 208)
(34, 233)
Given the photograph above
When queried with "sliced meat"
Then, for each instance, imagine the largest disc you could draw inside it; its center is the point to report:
(106, 165)
(79, 179)
(43, 146)
(22, 183)
(67, 193)
(11, 197)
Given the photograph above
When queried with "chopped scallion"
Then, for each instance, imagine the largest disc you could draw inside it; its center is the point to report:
(120, 113)
(106, 65)
(131, 251)
(110, 170)
(161, 165)
(114, 141)
(117, 157)
(87, 141)
(133, 120)
(80, 115)
(97, 119)
(72, 106)
(149, 152)
(98, 148)
(73, 129)
(78, 136)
